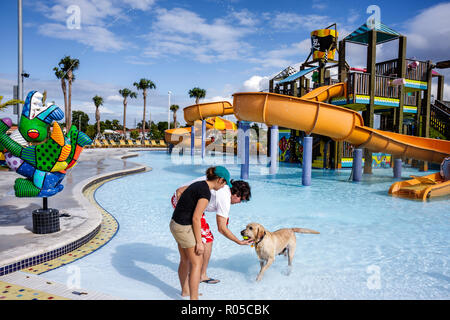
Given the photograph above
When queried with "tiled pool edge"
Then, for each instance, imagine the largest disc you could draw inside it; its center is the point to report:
(85, 233)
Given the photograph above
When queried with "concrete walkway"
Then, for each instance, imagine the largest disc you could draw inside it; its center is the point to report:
(19, 243)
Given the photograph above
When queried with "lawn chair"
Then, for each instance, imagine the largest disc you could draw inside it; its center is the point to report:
(162, 144)
(113, 144)
(130, 143)
(122, 143)
(147, 143)
(154, 144)
(138, 143)
(98, 144)
(105, 143)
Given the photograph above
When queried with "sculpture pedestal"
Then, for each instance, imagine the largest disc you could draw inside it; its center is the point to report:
(45, 221)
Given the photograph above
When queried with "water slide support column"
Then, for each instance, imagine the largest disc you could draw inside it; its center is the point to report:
(239, 143)
(192, 140)
(273, 150)
(397, 168)
(245, 138)
(307, 160)
(357, 164)
(203, 138)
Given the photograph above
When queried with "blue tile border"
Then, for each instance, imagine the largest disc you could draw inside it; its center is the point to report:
(29, 262)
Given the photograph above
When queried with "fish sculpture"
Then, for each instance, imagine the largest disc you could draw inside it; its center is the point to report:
(47, 154)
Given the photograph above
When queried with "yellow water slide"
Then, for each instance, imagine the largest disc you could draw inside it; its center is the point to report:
(311, 115)
(206, 110)
(196, 112)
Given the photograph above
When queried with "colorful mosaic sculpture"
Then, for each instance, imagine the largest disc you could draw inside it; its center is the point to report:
(47, 154)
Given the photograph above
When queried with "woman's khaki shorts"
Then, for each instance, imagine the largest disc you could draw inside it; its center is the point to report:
(184, 235)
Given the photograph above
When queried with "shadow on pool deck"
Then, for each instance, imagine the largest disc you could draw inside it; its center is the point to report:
(124, 261)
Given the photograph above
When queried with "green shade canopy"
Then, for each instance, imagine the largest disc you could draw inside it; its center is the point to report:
(297, 75)
(361, 35)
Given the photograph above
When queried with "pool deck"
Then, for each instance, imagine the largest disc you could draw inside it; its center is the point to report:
(22, 251)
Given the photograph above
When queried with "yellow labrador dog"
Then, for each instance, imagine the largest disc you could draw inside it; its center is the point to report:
(268, 244)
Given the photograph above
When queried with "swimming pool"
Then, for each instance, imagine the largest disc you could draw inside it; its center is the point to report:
(371, 246)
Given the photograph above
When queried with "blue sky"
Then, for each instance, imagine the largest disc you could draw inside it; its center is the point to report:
(222, 46)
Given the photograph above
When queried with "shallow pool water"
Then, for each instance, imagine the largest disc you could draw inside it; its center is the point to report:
(370, 246)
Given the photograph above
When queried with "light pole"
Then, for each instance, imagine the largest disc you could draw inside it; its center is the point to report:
(168, 116)
(20, 60)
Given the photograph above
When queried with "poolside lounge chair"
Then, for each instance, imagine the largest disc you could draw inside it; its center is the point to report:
(138, 143)
(147, 143)
(122, 143)
(105, 143)
(154, 144)
(97, 144)
(130, 143)
(162, 143)
(113, 143)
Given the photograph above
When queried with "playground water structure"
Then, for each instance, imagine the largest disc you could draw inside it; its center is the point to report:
(310, 114)
(391, 249)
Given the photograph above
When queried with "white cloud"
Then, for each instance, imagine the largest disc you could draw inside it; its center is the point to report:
(98, 38)
(319, 4)
(183, 32)
(91, 12)
(116, 98)
(82, 93)
(284, 56)
(140, 4)
(428, 33)
(353, 16)
(89, 108)
(256, 84)
(228, 98)
(96, 17)
(244, 18)
(289, 21)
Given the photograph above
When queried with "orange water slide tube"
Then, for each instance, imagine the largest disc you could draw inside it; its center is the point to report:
(311, 115)
(198, 112)
(206, 110)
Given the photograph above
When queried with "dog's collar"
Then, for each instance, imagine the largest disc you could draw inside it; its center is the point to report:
(256, 243)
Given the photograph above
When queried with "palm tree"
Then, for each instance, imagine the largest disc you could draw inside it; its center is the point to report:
(98, 101)
(197, 93)
(143, 85)
(174, 108)
(68, 66)
(60, 74)
(8, 103)
(125, 93)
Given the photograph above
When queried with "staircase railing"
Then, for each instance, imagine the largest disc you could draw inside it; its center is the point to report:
(440, 118)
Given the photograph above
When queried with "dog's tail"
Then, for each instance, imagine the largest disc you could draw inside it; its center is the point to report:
(303, 230)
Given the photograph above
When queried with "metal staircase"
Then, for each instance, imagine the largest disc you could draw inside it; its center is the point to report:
(440, 117)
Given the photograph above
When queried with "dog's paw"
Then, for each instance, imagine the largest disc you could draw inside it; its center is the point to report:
(288, 271)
